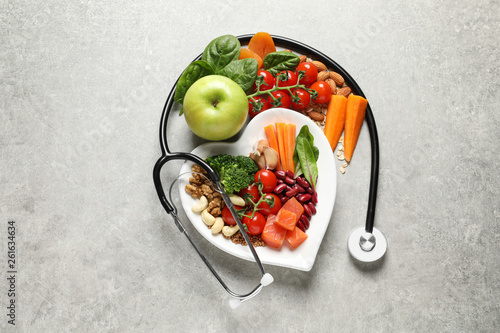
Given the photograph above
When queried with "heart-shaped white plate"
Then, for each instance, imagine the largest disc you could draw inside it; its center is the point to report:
(304, 256)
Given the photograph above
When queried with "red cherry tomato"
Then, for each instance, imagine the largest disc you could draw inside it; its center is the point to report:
(324, 92)
(253, 190)
(268, 80)
(286, 79)
(310, 73)
(227, 216)
(266, 209)
(260, 105)
(304, 99)
(284, 100)
(268, 180)
(256, 224)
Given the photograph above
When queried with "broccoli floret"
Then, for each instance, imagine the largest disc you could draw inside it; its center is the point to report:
(235, 172)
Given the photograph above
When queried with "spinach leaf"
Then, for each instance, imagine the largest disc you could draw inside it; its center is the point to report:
(193, 72)
(304, 134)
(221, 51)
(278, 61)
(307, 161)
(243, 72)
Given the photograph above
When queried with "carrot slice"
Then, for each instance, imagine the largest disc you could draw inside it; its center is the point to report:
(286, 219)
(295, 237)
(355, 113)
(273, 140)
(262, 43)
(280, 134)
(335, 119)
(290, 145)
(273, 234)
(246, 53)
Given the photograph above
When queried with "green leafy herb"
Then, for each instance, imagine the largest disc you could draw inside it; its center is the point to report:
(221, 51)
(196, 70)
(243, 72)
(279, 61)
(305, 156)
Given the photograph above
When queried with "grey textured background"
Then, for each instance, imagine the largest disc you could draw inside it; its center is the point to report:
(82, 86)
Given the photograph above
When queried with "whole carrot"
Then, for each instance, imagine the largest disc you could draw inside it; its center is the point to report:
(335, 119)
(355, 113)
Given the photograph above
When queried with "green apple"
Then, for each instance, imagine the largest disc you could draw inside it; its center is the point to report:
(215, 107)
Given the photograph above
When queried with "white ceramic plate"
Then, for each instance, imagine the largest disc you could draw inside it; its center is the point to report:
(304, 256)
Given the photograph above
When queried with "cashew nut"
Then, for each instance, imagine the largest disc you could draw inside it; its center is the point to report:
(237, 200)
(207, 218)
(229, 231)
(199, 206)
(217, 227)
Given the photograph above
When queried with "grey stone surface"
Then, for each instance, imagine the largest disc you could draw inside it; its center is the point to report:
(82, 86)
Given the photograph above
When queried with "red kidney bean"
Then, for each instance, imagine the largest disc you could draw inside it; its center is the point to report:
(303, 182)
(290, 174)
(280, 188)
(307, 211)
(309, 190)
(280, 181)
(303, 198)
(301, 189)
(301, 226)
(312, 208)
(280, 174)
(289, 180)
(284, 199)
(314, 198)
(292, 192)
(305, 221)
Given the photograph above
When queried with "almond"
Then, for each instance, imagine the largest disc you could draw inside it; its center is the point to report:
(322, 76)
(319, 65)
(315, 115)
(303, 58)
(339, 80)
(346, 91)
(332, 85)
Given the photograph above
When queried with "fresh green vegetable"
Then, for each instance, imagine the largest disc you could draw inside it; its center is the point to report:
(243, 72)
(220, 57)
(235, 172)
(276, 62)
(305, 156)
(196, 70)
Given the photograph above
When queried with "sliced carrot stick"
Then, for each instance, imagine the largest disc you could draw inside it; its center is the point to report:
(280, 134)
(262, 43)
(246, 53)
(290, 145)
(355, 113)
(273, 140)
(335, 119)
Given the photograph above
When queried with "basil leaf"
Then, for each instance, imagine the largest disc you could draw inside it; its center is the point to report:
(307, 161)
(243, 72)
(221, 51)
(193, 72)
(279, 61)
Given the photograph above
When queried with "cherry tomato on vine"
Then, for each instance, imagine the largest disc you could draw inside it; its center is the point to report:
(282, 97)
(286, 79)
(253, 190)
(256, 224)
(227, 216)
(311, 73)
(324, 92)
(304, 99)
(254, 108)
(268, 81)
(268, 180)
(266, 209)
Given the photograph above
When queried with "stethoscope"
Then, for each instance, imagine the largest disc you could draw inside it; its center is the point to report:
(365, 243)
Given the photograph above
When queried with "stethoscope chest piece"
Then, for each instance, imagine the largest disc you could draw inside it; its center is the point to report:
(365, 246)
